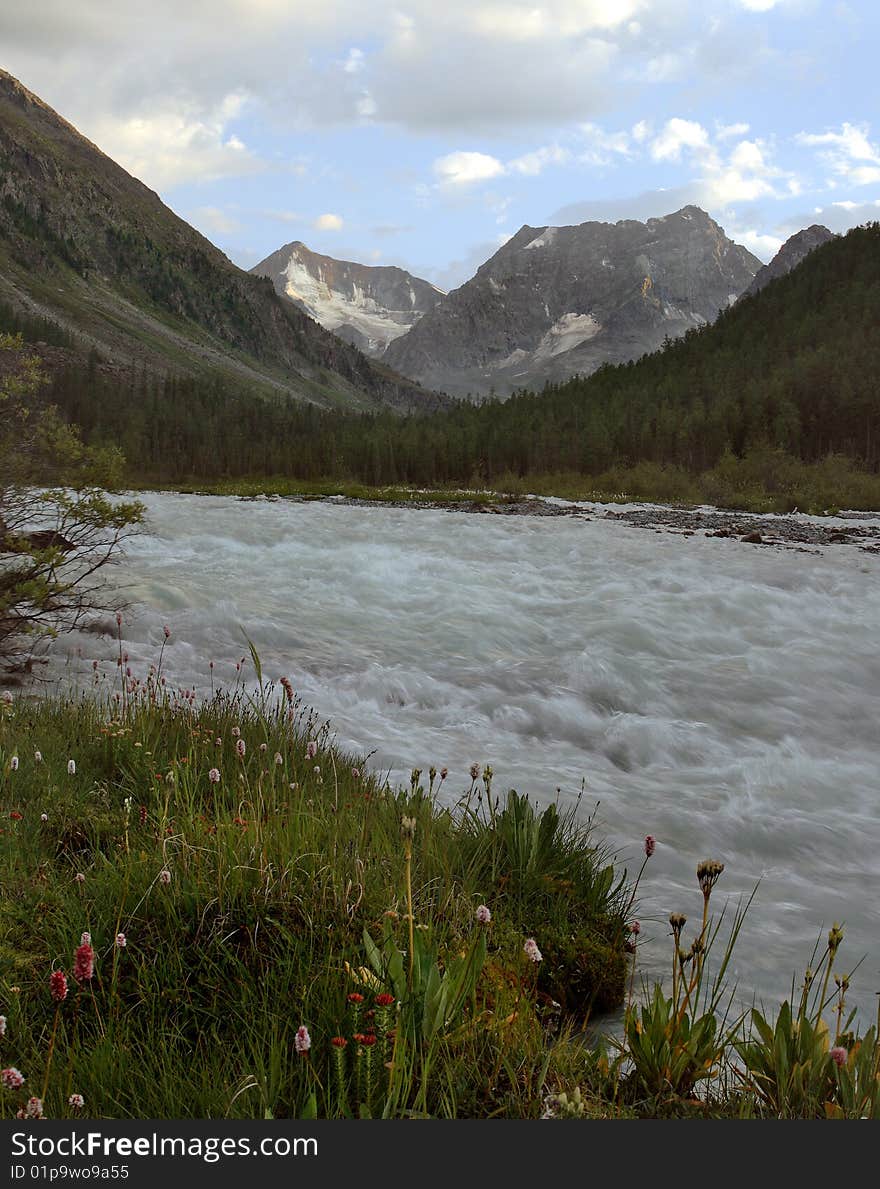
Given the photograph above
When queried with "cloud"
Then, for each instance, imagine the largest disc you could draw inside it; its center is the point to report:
(215, 220)
(328, 222)
(848, 153)
(759, 244)
(676, 136)
(464, 168)
(531, 164)
(169, 147)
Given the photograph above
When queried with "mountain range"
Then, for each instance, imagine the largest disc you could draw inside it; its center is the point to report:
(88, 247)
(366, 305)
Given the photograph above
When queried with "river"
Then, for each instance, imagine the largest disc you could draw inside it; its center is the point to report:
(722, 696)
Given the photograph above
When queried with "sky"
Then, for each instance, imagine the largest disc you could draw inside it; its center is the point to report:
(424, 134)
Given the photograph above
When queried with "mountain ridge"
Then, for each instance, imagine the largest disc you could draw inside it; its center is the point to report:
(587, 294)
(85, 244)
(364, 304)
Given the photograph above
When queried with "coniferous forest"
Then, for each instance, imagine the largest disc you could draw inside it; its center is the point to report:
(790, 371)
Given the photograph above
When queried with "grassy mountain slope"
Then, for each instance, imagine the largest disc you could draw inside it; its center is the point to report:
(89, 247)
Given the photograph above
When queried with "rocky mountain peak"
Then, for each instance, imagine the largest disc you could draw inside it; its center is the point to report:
(367, 305)
(795, 249)
(555, 301)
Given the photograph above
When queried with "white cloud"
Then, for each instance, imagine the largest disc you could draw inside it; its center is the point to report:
(677, 135)
(169, 147)
(464, 168)
(641, 131)
(848, 153)
(354, 62)
(762, 245)
(535, 162)
(602, 147)
(728, 131)
(328, 222)
(759, 5)
(215, 220)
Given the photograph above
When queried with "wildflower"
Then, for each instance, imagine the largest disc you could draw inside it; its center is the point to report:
(240, 748)
(71, 767)
(531, 950)
(384, 1000)
(214, 776)
(15, 816)
(84, 963)
(838, 1055)
(58, 985)
(356, 773)
(167, 631)
(708, 873)
(484, 916)
(634, 927)
(302, 1041)
(119, 619)
(444, 772)
(218, 742)
(2, 1026)
(165, 876)
(34, 1108)
(835, 937)
(6, 698)
(338, 1042)
(85, 939)
(408, 827)
(11, 1078)
(677, 921)
(263, 748)
(279, 758)
(311, 750)
(367, 1038)
(79, 877)
(121, 943)
(475, 771)
(13, 763)
(38, 757)
(650, 845)
(355, 997)
(287, 687)
(142, 815)
(236, 731)
(76, 1101)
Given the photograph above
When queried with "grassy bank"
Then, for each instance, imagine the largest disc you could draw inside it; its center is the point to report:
(762, 481)
(209, 911)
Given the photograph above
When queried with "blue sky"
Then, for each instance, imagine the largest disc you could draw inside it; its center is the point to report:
(420, 134)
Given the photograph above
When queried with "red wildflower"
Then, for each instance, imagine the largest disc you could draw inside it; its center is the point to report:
(355, 997)
(384, 1000)
(58, 985)
(339, 1042)
(84, 963)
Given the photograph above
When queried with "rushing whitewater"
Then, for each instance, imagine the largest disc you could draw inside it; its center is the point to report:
(721, 696)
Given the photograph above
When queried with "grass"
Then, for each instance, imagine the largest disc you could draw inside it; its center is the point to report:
(763, 481)
(276, 932)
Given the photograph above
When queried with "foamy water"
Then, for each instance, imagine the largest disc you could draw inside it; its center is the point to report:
(722, 697)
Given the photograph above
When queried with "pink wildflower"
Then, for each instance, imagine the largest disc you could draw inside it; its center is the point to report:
(2, 1026)
(71, 767)
(79, 877)
(531, 950)
(34, 1108)
(44, 817)
(356, 773)
(475, 771)
(121, 943)
(58, 985)
(76, 1101)
(236, 731)
(84, 963)
(165, 876)
(38, 757)
(214, 776)
(839, 1055)
(11, 1078)
(85, 938)
(167, 631)
(240, 748)
(650, 845)
(311, 750)
(279, 758)
(302, 1041)
(484, 916)
(13, 763)
(444, 772)
(634, 927)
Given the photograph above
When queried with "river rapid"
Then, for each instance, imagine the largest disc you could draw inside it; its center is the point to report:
(722, 696)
